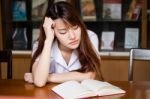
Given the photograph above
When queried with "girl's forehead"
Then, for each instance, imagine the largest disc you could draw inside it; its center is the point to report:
(61, 22)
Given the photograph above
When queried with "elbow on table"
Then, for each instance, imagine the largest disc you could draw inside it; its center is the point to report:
(39, 83)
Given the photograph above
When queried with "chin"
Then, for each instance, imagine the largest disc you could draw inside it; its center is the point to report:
(74, 47)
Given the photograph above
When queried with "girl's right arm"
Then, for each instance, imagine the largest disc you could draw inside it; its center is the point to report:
(40, 68)
(62, 77)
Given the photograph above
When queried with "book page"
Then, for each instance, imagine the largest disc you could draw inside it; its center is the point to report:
(72, 89)
(102, 88)
(94, 85)
(109, 90)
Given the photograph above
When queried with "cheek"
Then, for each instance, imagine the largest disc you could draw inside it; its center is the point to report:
(78, 31)
(57, 35)
(61, 38)
(62, 41)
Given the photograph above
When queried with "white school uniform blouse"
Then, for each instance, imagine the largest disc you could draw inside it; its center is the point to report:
(58, 64)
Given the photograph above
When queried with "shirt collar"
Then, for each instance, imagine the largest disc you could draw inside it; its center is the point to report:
(56, 54)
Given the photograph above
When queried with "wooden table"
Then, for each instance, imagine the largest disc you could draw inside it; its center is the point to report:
(16, 89)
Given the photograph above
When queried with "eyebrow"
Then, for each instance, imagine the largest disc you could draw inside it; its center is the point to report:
(62, 29)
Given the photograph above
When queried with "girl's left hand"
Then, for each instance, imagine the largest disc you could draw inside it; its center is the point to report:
(90, 75)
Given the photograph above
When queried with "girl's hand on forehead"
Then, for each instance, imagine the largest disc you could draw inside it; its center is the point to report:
(48, 26)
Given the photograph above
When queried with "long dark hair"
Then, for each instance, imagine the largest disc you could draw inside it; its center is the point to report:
(88, 58)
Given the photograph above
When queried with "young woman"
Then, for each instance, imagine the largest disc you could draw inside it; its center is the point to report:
(66, 50)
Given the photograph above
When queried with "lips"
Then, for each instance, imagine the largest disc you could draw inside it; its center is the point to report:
(74, 42)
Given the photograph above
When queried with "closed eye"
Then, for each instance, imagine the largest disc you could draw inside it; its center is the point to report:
(75, 27)
(62, 31)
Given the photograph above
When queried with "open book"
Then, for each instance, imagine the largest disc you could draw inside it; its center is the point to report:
(87, 88)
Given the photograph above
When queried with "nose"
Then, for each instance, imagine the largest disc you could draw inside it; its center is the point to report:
(71, 34)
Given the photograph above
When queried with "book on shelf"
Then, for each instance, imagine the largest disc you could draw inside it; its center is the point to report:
(60, 0)
(131, 38)
(35, 35)
(19, 12)
(88, 10)
(87, 88)
(111, 10)
(107, 40)
(39, 9)
(20, 41)
(134, 10)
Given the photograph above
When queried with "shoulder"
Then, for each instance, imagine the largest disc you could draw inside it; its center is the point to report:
(91, 33)
(94, 39)
(34, 47)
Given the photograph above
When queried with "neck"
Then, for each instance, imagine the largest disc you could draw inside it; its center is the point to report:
(65, 49)
(66, 53)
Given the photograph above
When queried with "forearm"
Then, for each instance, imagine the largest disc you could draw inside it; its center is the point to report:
(40, 69)
(62, 77)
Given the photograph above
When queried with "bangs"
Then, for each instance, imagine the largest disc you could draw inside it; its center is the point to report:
(70, 23)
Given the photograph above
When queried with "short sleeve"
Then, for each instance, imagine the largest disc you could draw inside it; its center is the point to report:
(34, 48)
(94, 40)
(52, 66)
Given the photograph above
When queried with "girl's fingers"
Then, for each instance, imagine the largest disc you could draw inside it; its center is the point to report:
(28, 77)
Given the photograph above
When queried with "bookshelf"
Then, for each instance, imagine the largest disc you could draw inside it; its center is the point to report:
(148, 17)
(118, 25)
(117, 71)
(1, 39)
